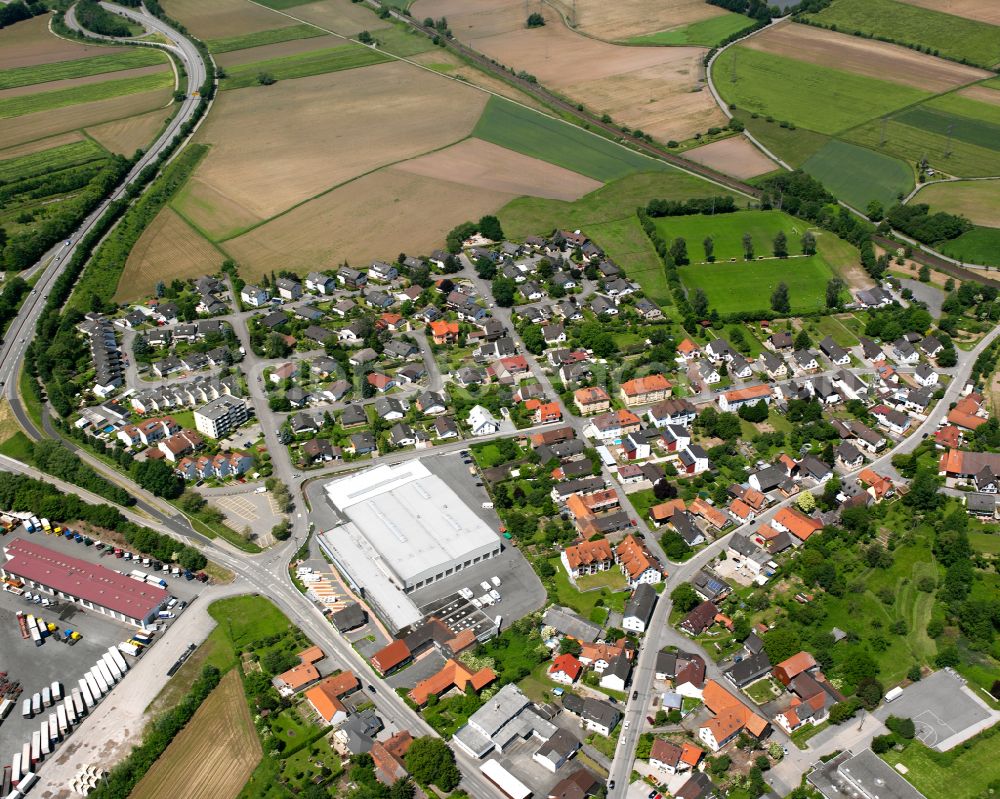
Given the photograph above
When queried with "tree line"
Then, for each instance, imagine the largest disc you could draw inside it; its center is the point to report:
(19, 10)
(96, 19)
(917, 221)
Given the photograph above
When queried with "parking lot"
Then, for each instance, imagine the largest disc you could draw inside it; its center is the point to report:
(37, 667)
(944, 710)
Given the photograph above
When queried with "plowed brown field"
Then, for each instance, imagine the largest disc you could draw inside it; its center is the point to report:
(983, 10)
(734, 156)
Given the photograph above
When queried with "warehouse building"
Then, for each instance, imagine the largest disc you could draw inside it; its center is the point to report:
(85, 584)
(403, 529)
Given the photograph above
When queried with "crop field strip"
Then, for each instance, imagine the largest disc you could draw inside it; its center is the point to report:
(45, 161)
(260, 38)
(707, 32)
(303, 65)
(952, 36)
(532, 133)
(215, 753)
(60, 98)
(82, 67)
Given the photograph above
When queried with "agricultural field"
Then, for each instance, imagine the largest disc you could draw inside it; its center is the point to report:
(260, 38)
(131, 58)
(707, 32)
(301, 65)
(858, 175)
(806, 278)
(403, 212)
(448, 64)
(272, 149)
(955, 37)
(734, 156)
(338, 16)
(125, 136)
(976, 200)
(483, 165)
(793, 145)
(268, 52)
(981, 10)
(655, 89)
(168, 248)
(213, 756)
(625, 19)
(558, 142)
(14, 106)
(866, 57)
(29, 43)
(812, 96)
(224, 18)
(981, 245)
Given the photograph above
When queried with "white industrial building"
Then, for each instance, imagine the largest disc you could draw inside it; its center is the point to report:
(403, 529)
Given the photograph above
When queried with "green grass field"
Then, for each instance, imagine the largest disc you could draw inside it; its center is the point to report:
(49, 161)
(727, 232)
(61, 70)
(402, 41)
(229, 43)
(707, 33)
(976, 132)
(810, 96)
(977, 200)
(278, 5)
(302, 65)
(952, 156)
(962, 772)
(60, 98)
(742, 286)
(954, 37)
(531, 133)
(981, 245)
(858, 175)
(794, 145)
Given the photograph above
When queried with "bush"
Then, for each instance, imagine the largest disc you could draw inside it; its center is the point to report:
(903, 727)
(882, 743)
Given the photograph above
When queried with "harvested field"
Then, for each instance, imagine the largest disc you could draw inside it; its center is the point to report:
(977, 200)
(401, 212)
(655, 89)
(626, 18)
(339, 16)
(734, 156)
(29, 43)
(125, 136)
(482, 165)
(224, 18)
(864, 57)
(213, 756)
(273, 149)
(982, 10)
(983, 94)
(29, 127)
(279, 50)
(39, 145)
(169, 248)
(448, 64)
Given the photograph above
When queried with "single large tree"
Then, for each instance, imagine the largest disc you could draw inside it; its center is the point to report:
(808, 243)
(833, 288)
(779, 299)
(781, 245)
(699, 303)
(748, 246)
(679, 252)
(709, 246)
(429, 760)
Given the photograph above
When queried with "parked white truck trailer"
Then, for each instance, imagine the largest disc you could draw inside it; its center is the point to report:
(109, 663)
(5, 707)
(99, 686)
(118, 659)
(26, 708)
(87, 694)
(57, 691)
(62, 720)
(78, 701)
(15, 769)
(36, 747)
(105, 672)
(45, 739)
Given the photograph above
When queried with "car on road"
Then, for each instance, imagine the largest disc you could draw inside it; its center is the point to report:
(611, 784)
(635, 694)
(625, 724)
(371, 688)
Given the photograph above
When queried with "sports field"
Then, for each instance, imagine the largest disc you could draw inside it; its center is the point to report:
(81, 67)
(529, 132)
(977, 200)
(707, 32)
(60, 98)
(981, 245)
(747, 286)
(727, 231)
(858, 175)
(213, 756)
(953, 36)
(302, 65)
(809, 95)
(260, 38)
